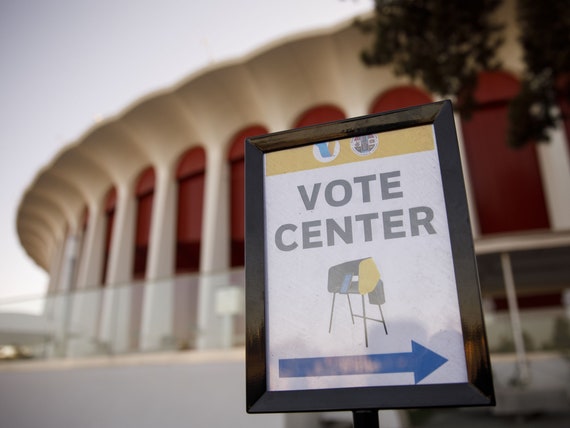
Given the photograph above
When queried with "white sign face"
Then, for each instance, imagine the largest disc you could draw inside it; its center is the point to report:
(360, 285)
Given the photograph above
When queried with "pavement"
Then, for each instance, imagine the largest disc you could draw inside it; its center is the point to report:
(460, 418)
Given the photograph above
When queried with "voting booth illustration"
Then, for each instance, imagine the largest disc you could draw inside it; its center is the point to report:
(358, 277)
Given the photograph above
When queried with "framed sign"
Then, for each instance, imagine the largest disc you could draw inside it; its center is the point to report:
(361, 280)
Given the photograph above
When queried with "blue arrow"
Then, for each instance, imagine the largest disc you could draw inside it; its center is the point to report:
(421, 361)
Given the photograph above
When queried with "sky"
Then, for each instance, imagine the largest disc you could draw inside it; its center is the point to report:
(66, 64)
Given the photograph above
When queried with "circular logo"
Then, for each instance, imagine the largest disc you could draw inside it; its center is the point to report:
(326, 152)
(363, 145)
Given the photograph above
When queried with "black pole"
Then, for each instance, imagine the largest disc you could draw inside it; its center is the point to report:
(365, 419)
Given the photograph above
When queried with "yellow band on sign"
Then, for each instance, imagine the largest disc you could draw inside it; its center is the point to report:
(365, 147)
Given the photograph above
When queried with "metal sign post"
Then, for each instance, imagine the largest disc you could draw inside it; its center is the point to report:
(365, 419)
(361, 281)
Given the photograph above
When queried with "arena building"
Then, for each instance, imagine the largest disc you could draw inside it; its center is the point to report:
(140, 225)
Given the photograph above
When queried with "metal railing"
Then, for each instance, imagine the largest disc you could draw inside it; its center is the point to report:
(200, 311)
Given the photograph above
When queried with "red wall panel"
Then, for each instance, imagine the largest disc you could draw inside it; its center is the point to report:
(191, 177)
(145, 198)
(237, 193)
(506, 182)
(400, 97)
(320, 114)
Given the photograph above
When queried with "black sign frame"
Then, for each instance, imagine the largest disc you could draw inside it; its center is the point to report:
(478, 390)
